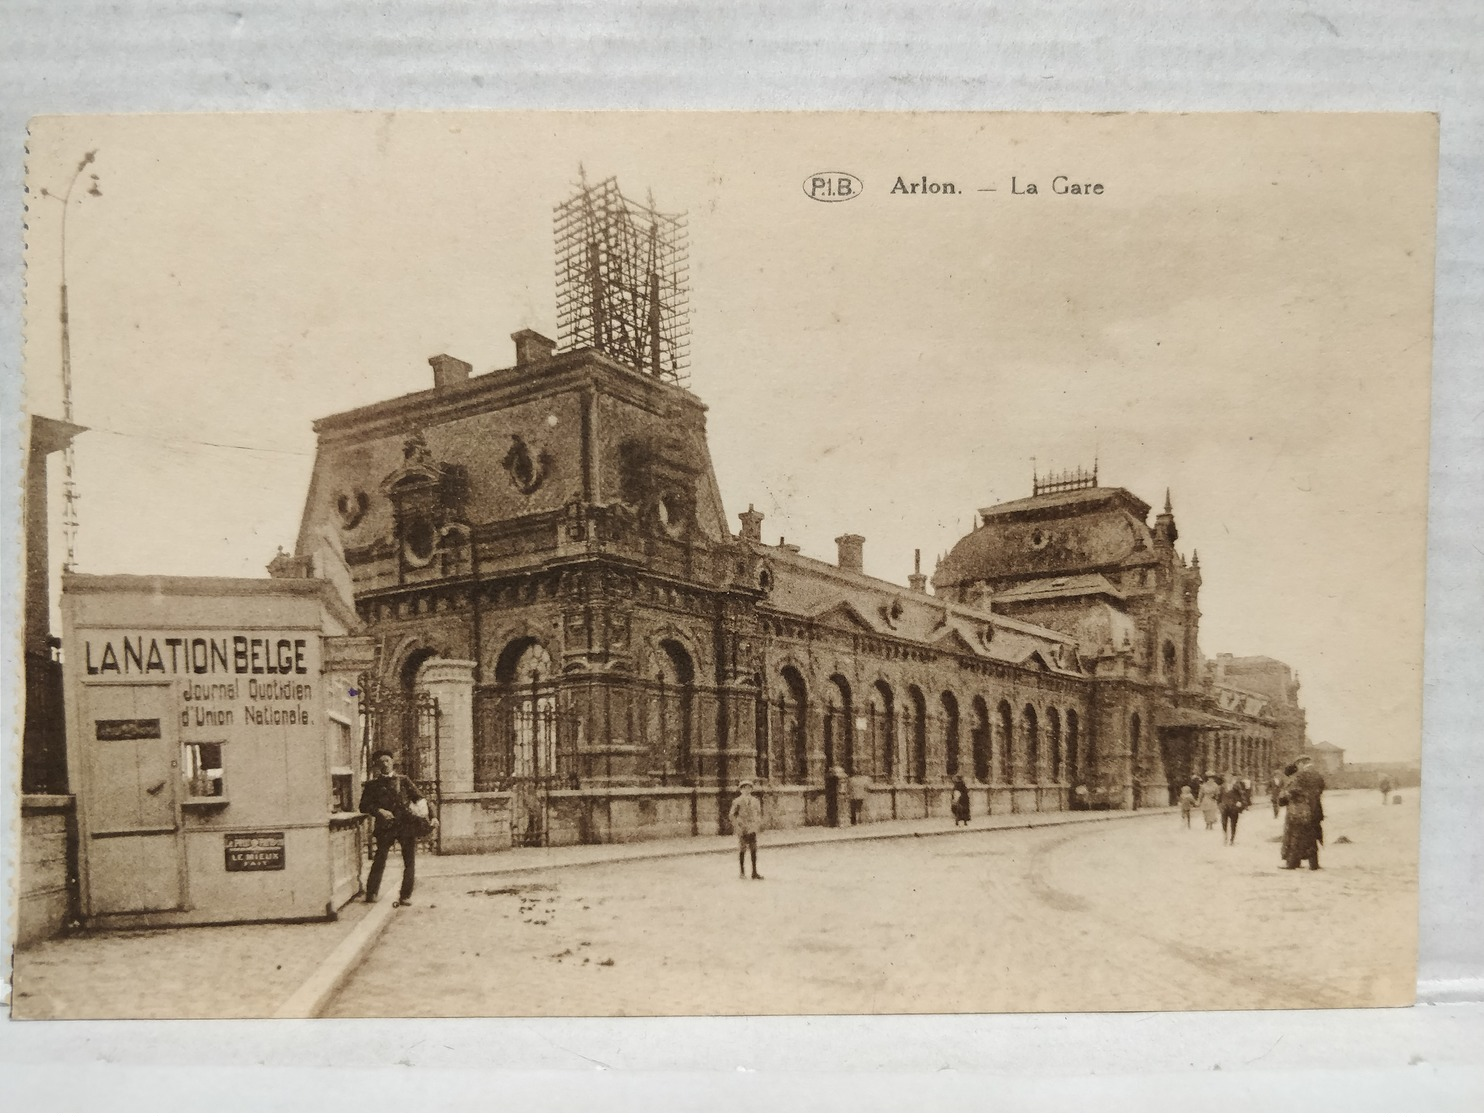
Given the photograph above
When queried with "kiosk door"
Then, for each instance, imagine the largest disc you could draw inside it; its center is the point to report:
(132, 817)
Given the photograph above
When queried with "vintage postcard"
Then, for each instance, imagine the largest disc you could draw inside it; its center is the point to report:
(662, 563)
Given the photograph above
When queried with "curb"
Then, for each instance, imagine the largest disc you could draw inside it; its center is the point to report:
(804, 840)
(314, 995)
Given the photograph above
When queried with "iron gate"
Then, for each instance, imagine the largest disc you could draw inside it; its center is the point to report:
(524, 743)
(405, 724)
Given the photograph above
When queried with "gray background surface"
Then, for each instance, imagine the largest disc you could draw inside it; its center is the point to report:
(1219, 55)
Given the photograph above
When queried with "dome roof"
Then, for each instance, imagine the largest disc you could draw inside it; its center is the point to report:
(1049, 534)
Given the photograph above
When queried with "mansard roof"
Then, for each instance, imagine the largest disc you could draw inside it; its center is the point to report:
(1040, 536)
(823, 593)
(1077, 500)
(1074, 585)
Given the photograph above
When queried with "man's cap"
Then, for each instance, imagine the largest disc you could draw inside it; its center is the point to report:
(745, 783)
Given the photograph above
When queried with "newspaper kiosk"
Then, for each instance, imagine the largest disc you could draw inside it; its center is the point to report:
(210, 728)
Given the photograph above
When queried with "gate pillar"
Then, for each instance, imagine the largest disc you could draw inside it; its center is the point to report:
(451, 682)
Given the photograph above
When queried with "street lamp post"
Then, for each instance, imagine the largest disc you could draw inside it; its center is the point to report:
(69, 485)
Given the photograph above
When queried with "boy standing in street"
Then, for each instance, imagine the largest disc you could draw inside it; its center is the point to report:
(747, 820)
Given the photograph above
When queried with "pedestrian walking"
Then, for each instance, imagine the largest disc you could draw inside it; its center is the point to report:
(960, 802)
(860, 784)
(400, 812)
(1275, 789)
(1234, 801)
(1385, 786)
(1187, 803)
(1210, 800)
(1303, 826)
(747, 820)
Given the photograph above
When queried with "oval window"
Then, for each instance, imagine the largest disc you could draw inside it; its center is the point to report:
(421, 541)
(350, 507)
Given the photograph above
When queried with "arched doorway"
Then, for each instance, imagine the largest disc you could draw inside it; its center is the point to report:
(916, 714)
(1006, 742)
(950, 733)
(1075, 766)
(1031, 728)
(524, 671)
(979, 740)
(517, 745)
(1053, 741)
(793, 726)
(882, 727)
(839, 726)
(672, 715)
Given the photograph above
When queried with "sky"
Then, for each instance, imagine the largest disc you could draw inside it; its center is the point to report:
(1242, 316)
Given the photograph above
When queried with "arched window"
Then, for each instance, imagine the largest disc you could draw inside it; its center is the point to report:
(793, 726)
(950, 733)
(1053, 740)
(1032, 730)
(1006, 742)
(1167, 654)
(1135, 729)
(883, 729)
(979, 743)
(839, 726)
(916, 713)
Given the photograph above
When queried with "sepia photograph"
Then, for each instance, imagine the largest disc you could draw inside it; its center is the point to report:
(683, 564)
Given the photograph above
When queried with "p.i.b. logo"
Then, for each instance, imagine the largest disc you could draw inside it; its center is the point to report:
(833, 186)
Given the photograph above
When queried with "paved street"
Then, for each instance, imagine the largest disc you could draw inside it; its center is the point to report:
(1135, 915)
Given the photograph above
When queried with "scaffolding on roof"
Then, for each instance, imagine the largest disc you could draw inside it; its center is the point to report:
(623, 275)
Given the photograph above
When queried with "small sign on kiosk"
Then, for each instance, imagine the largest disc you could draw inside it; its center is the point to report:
(254, 853)
(211, 732)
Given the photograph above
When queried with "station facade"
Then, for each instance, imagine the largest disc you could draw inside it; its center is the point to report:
(544, 548)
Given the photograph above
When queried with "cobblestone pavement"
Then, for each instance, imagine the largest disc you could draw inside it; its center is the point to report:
(244, 970)
(1138, 915)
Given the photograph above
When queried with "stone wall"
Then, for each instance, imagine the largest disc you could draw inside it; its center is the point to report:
(47, 850)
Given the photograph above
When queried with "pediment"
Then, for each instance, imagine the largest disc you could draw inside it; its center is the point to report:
(1037, 661)
(953, 641)
(844, 615)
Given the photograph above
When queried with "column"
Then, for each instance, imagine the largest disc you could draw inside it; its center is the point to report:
(451, 682)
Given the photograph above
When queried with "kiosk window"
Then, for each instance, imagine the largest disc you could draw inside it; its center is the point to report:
(342, 782)
(201, 765)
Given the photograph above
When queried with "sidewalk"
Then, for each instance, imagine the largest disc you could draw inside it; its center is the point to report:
(521, 860)
(262, 970)
(243, 970)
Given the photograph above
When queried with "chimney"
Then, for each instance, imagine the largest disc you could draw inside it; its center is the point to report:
(449, 372)
(532, 348)
(917, 579)
(852, 551)
(752, 525)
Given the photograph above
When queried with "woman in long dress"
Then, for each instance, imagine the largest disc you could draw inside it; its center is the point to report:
(1211, 801)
